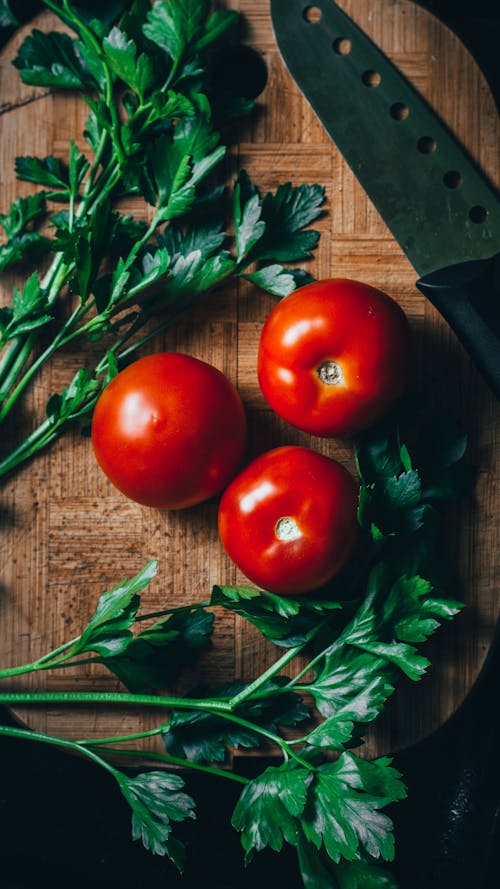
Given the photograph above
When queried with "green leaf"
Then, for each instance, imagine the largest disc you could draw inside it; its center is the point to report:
(153, 267)
(52, 59)
(93, 131)
(347, 672)
(271, 228)
(27, 248)
(247, 209)
(400, 654)
(49, 171)
(156, 656)
(203, 235)
(278, 280)
(7, 17)
(121, 52)
(85, 243)
(133, 20)
(108, 631)
(393, 505)
(285, 621)
(156, 801)
(285, 214)
(337, 730)
(343, 814)
(267, 810)
(180, 163)
(91, 58)
(320, 872)
(379, 454)
(192, 275)
(183, 26)
(202, 737)
(30, 309)
(412, 609)
(75, 400)
(218, 24)
(78, 166)
(21, 212)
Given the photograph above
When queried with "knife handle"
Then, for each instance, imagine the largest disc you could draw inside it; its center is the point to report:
(468, 296)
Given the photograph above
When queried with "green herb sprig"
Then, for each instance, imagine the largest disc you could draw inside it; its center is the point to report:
(359, 636)
(153, 131)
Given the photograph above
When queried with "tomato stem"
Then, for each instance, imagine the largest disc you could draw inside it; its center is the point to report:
(330, 373)
(287, 529)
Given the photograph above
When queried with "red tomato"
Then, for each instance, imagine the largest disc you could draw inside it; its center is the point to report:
(169, 431)
(334, 356)
(288, 520)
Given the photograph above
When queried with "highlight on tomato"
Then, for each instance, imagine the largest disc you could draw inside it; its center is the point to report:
(169, 431)
(289, 520)
(334, 356)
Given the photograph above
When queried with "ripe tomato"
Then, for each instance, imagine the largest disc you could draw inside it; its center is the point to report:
(169, 431)
(333, 356)
(288, 520)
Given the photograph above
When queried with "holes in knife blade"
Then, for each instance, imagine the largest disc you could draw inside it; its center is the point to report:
(371, 78)
(478, 214)
(452, 179)
(342, 46)
(426, 145)
(312, 14)
(399, 111)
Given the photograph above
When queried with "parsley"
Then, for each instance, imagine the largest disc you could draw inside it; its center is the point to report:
(152, 131)
(156, 801)
(330, 809)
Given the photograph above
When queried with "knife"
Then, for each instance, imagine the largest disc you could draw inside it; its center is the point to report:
(441, 209)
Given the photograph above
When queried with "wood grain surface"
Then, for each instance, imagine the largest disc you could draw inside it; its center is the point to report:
(67, 535)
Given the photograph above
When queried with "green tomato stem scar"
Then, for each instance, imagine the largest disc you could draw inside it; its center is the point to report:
(330, 373)
(287, 529)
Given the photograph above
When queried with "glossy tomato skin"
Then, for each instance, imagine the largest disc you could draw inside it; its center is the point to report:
(353, 334)
(169, 431)
(289, 520)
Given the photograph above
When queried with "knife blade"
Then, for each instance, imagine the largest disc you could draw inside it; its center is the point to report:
(439, 206)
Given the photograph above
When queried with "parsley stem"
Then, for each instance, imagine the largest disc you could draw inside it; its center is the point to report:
(46, 662)
(176, 610)
(42, 436)
(14, 359)
(118, 739)
(37, 364)
(254, 686)
(67, 697)
(278, 665)
(29, 735)
(330, 648)
(56, 277)
(213, 706)
(162, 757)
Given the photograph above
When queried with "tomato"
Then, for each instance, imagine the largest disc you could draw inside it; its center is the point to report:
(334, 356)
(169, 431)
(288, 520)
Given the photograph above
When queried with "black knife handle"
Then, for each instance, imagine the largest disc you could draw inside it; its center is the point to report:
(468, 296)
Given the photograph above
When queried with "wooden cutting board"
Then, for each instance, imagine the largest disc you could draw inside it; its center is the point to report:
(68, 535)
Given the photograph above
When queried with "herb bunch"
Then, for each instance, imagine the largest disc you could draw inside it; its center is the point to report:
(153, 131)
(359, 636)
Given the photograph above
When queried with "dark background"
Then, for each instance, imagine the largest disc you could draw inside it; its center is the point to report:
(63, 822)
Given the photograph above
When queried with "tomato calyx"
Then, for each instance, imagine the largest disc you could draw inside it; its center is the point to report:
(287, 529)
(330, 373)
